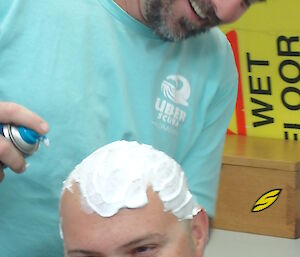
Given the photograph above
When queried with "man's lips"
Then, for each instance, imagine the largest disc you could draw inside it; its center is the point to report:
(206, 14)
(196, 8)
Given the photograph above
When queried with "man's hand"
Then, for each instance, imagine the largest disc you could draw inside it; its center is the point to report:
(11, 113)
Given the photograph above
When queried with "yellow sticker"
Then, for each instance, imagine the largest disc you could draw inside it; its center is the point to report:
(266, 200)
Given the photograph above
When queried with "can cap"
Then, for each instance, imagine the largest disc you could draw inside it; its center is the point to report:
(28, 135)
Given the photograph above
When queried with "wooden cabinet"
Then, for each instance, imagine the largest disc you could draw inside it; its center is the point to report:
(259, 190)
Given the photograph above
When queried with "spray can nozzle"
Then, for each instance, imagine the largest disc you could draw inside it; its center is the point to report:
(29, 136)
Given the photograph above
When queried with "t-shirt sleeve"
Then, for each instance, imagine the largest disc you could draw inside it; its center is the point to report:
(204, 160)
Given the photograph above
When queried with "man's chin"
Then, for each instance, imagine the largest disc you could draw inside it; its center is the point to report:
(179, 34)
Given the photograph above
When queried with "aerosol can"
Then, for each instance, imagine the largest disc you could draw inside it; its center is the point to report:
(24, 139)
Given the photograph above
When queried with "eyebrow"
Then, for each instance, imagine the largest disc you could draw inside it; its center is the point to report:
(137, 241)
(85, 252)
(132, 243)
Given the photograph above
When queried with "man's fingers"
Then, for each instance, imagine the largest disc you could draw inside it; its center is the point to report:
(16, 114)
(10, 156)
(13, 113)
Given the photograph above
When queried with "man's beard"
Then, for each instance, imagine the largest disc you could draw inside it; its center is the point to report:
(159, 17)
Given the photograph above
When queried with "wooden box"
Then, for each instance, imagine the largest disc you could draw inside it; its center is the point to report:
(259, 190)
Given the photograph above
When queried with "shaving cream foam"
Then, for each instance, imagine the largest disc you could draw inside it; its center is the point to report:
(118, 175)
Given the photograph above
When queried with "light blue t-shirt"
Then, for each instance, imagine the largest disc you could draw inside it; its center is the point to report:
(97, 75)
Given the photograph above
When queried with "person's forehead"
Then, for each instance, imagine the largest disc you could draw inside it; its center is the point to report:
(127, 225)
(151, 214)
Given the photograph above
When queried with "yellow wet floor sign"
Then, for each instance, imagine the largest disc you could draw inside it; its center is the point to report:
(266, 45)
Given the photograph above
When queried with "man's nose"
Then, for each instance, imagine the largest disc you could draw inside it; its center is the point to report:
(229, 10)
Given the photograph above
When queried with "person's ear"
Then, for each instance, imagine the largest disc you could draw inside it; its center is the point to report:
(200, 226)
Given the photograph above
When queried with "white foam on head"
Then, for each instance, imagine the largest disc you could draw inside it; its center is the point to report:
(118, 175)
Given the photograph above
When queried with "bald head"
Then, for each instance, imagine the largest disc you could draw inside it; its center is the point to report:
(118, 175)
(128, 197)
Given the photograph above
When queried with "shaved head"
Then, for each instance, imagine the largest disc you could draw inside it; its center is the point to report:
(129, 199)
